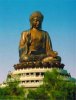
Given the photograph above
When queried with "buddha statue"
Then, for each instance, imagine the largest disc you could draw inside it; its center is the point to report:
(35, 43)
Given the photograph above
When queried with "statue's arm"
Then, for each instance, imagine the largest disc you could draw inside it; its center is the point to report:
(48, 43)
(49, 49)
(23, 43)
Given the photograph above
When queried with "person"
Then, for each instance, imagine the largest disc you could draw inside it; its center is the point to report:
(35, 43)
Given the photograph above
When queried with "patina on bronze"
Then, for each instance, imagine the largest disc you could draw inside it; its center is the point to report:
(35, 47)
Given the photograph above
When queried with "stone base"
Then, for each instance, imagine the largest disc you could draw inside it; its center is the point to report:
(31, 73)
(33, 77)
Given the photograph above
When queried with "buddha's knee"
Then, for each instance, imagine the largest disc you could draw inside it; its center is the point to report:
(58, 58)
(52, 59)
(24, 58)
(47, 59)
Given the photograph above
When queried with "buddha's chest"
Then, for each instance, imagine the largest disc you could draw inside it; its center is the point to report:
(36, 36)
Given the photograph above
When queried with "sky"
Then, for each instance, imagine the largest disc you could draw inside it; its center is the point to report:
(59, 22)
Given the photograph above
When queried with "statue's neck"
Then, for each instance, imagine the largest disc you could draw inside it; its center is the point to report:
(35, 29)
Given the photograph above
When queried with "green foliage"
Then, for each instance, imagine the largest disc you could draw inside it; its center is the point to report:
(53, 88)
(38, 94)
(12, 91)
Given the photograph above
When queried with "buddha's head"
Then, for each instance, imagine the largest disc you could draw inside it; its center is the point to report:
(36, 19)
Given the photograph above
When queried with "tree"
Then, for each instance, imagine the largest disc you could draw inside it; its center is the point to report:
(12, 90)
(54, 88)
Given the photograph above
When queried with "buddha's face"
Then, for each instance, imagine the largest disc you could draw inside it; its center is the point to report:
(36, 23)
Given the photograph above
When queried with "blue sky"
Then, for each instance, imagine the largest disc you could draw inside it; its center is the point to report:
(59, 21)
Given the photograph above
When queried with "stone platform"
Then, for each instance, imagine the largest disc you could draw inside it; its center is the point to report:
(31, 74)
(33, 77)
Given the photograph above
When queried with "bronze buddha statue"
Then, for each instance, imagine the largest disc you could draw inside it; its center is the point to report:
(35, 43)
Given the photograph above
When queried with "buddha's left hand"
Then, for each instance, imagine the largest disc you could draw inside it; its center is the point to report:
(53, 53)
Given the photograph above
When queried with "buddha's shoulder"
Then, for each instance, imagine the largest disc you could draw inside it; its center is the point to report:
(25, 32)
(44, 32)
